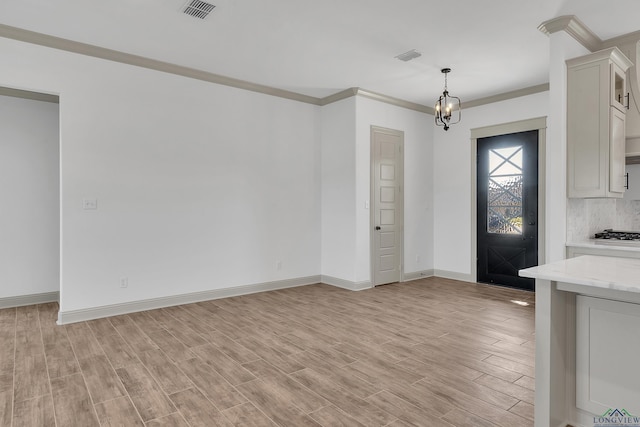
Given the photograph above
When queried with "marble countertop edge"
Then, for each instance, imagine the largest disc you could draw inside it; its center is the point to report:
(620, 274)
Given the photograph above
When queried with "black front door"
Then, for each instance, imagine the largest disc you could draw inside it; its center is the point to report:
(507, 208)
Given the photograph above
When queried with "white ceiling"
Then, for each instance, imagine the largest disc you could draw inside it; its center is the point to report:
(321, 47)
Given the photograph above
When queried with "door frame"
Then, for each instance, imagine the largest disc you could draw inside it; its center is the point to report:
(539, 124)
(400, 202)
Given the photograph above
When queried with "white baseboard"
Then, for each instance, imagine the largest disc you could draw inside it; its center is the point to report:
(454, 275)
(345, 284)
(21, 300)
(415, 275)
(73, 316)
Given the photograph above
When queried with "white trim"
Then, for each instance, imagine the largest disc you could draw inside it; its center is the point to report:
(21, 300)
(415, 275)
(575, 28)
(73, 316)
(583, 34)
(531, 90)
(345, 284)
(445, 274)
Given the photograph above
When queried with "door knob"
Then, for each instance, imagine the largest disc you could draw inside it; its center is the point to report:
(377, 227)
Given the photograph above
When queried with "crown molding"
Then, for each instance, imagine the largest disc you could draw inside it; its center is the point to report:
(506, 95)
(395, 101)
(622, 40)
(587, 38)
(32, 37)
(27, 94)
(338, 96)
(53, 42)
(575, 28)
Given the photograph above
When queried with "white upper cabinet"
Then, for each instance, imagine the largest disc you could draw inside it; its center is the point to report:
(596, 99)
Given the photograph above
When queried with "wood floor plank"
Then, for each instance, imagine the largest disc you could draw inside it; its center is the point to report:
(145, 393)
(247, 415)
(118, 352)
(197, 410)
(184, 333)
(173, 348)
(232, 348)
(72, 403)
(283, 362)
(171, 420)
(31, 378)
(6, 380)
(473, 404)
(61, 359)
(83, 341)
(101, 327)
(461, 418)
(34, 412)
(405, 410)
(223, 364)
(360, 409)
(170, 378)
(132, 335)
(494, 397)
(275, 406)
(102, 381)
(331, 416)
(511, 365)
(6, 408)
(356, 385)
(515, 390)
(523, 409)
(212, 384)
(526, 382)
(118, 412)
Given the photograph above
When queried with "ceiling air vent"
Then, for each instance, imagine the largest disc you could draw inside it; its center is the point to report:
(198, 9)
(408, 56)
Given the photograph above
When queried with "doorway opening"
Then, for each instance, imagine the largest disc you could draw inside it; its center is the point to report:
(30, 188)
(508, 202)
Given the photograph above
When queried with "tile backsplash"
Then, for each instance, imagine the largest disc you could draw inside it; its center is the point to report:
(585, 217)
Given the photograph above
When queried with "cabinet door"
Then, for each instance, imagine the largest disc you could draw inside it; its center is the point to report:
(618, 89)
(617, 149)
(607, 348)
(587, 130)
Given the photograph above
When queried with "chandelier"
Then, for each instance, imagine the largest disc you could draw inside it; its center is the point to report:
(447, 109)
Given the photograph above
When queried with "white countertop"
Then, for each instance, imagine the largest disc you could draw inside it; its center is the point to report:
(620, 274)
(606, 244)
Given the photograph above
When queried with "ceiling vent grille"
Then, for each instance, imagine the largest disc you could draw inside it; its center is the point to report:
(408, 56)
(198, 9)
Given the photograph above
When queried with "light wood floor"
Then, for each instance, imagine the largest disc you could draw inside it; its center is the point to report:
(432, 352)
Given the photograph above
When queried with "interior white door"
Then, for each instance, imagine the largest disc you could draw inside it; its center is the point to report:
(387, 204)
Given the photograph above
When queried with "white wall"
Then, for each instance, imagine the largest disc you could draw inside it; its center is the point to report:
(452, 177)
(199, 186)
(29, 191)
(561, 47)
(418, 183)
(338, 135)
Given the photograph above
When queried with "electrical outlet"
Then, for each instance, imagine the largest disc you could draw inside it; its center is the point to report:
(417, 259)
(279, 265)
(89, 204)
(124, 282)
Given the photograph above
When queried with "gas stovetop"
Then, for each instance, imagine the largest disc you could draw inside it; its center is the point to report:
(618, 237)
